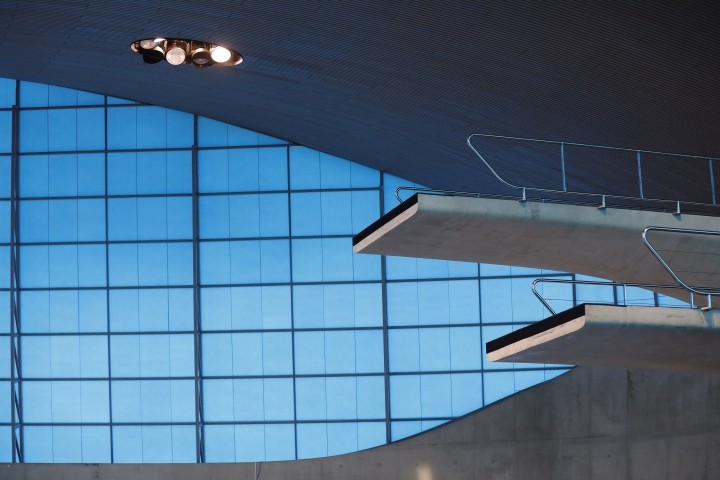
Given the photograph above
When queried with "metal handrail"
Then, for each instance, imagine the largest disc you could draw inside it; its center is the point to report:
(603, 197)
(598, 282)
(707, 291)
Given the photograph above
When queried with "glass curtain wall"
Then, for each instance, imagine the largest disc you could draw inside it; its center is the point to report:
(176, 289)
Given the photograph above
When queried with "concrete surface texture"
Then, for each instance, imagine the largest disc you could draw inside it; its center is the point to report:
(605, 243)
(606, 335)
(590, 423)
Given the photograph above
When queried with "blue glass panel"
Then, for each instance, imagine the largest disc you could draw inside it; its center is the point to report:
(341, 398)
(214, 217)
(312, 440)
(311, 398)
(340, 352)
(309, 352)
(4, 308)
(91, 265)
(370, 434)
(336, 213)
(5, 177)
(5, 266)
(179, 172)
(33, 94)
(242, 170)
(434, 349)
(127, 444)
(217, 354)
(123, 261)
(159, 172)
(4, 222)
(279, 442)
(342, 438)
(405, 397)
(497, 305)
(220, 443)
(63, 311)
(63, 175)
(278, 399)
(91, 128)
(365, 207)
(39, 444)
(214, 263)
(95, 444)
(5, 444)
(152, 355)
(5, 357)
(66, 356)
(122, 173)
(371, 398)
(33, 131)
(66, 401)
(304, 168)
(245, 308)
(153, 401)
(331, 259)
(308, 306)
(404, 350)
(219, 399)
(258, 215)
(467, 392)
(34, 178)
(7, 92)
(62, 130)
(34, 221)
(465, 348)
(122, 128)
(498, 385)
(122, 219)
(277, 353)
(436, 395)
(154, 444)
(5, 131)
(368, 351)
(402, 303)
(250, 443)
(213, 171)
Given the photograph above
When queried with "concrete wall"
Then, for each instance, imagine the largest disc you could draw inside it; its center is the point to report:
(591, 423)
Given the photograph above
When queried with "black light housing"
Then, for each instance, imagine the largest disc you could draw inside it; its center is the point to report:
(178, 51)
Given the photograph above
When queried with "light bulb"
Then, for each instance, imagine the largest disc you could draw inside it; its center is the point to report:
(175, 56)
(200, 56)
(220, 54)
(148, 43)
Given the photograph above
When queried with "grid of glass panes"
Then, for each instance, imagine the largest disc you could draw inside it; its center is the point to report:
(188, 292)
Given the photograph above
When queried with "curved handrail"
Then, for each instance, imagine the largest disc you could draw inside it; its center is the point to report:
(533, 287)
(525, 189)
(708, 291)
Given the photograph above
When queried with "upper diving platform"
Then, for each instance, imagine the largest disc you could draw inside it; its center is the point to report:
(586, 239)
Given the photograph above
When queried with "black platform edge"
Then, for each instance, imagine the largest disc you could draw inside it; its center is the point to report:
(385, 219)
(537, 327)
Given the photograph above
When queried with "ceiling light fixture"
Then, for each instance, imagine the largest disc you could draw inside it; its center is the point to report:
(178, 51)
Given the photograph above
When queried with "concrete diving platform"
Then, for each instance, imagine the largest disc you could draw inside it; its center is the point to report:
(680, 339)
(601, 242)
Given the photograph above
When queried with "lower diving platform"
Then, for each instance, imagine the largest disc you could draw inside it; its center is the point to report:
(681, 339)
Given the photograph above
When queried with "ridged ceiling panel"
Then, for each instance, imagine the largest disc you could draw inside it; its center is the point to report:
(399, 85)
